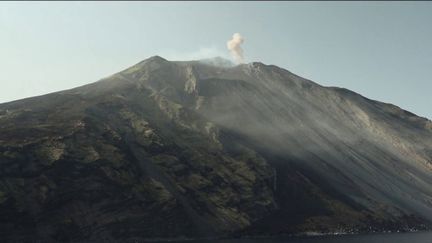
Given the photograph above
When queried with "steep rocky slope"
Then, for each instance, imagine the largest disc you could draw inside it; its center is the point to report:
(190, 149)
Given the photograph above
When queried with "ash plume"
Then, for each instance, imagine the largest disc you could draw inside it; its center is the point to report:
(234, 46)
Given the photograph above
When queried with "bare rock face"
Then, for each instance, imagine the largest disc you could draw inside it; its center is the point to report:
(200, 149)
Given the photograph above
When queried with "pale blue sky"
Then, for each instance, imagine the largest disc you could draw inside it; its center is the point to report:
(382, 50)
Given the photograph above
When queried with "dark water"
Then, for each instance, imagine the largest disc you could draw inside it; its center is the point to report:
(419, 237)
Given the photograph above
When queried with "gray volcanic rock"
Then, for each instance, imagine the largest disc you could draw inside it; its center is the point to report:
(203, 149)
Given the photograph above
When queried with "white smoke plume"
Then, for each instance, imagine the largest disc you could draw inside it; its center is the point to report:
(234, 46)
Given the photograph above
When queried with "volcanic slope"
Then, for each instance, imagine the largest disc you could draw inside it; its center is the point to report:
(168, 149)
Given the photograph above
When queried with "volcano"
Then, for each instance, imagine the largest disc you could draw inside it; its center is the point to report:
(198, 149)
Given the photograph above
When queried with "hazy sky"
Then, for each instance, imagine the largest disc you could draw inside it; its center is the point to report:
(382, 50)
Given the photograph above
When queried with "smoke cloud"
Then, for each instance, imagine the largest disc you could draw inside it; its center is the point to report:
(234, 46)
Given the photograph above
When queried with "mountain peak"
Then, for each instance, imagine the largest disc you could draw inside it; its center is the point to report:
(153, 59)
(156, 58)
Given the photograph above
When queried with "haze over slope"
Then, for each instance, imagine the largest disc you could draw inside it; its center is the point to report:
(169, 149)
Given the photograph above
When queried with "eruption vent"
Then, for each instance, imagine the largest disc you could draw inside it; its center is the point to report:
(234, 46)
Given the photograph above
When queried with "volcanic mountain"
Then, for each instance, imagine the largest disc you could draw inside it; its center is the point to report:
(169, 149)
